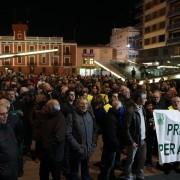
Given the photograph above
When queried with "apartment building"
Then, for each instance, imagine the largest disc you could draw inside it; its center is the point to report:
(139, 23)
(160, 31)
(154, 29)
(63, 61)
(124, 40)
(173, 28)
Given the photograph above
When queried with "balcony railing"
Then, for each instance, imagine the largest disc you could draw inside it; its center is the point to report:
(174, 41)
(174, 26)
(172, 1)
(88, 54)
(136, 37)
(51, 39)
(174, 12)
(6, 38)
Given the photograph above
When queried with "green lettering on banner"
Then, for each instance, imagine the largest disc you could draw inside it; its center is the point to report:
(172, 147)
(160, 147)
(166, 149)
(170, 128)
(178, 150)
(176, 129)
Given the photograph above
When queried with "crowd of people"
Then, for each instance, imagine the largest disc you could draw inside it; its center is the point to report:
(58, 120)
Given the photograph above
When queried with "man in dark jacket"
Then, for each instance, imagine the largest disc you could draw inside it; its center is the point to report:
(81, 136)
(113, 138)
(8, 148)
(157, 101)
(135, 119)
(16, 123)
(68, 106)
(50, 140)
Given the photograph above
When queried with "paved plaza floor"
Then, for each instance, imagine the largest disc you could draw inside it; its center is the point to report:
(31, 169)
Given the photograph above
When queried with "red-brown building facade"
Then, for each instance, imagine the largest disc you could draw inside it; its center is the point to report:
(63, 61)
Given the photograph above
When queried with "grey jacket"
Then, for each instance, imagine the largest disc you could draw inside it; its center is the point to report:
(81, 133)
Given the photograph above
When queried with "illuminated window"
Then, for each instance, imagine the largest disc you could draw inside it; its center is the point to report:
(91, 61)
(85, 61)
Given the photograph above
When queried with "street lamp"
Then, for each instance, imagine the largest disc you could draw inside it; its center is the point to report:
(128, 45)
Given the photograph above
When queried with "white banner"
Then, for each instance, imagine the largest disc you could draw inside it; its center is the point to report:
(167, 124)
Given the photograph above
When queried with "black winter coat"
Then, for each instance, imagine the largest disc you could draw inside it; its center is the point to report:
(50, 136)
(133, 125)
(8, 152)
(113, 131)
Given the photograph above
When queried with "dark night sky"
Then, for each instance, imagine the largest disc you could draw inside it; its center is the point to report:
(86, 22)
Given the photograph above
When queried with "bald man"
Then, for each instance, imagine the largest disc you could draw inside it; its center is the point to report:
(51, 140)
